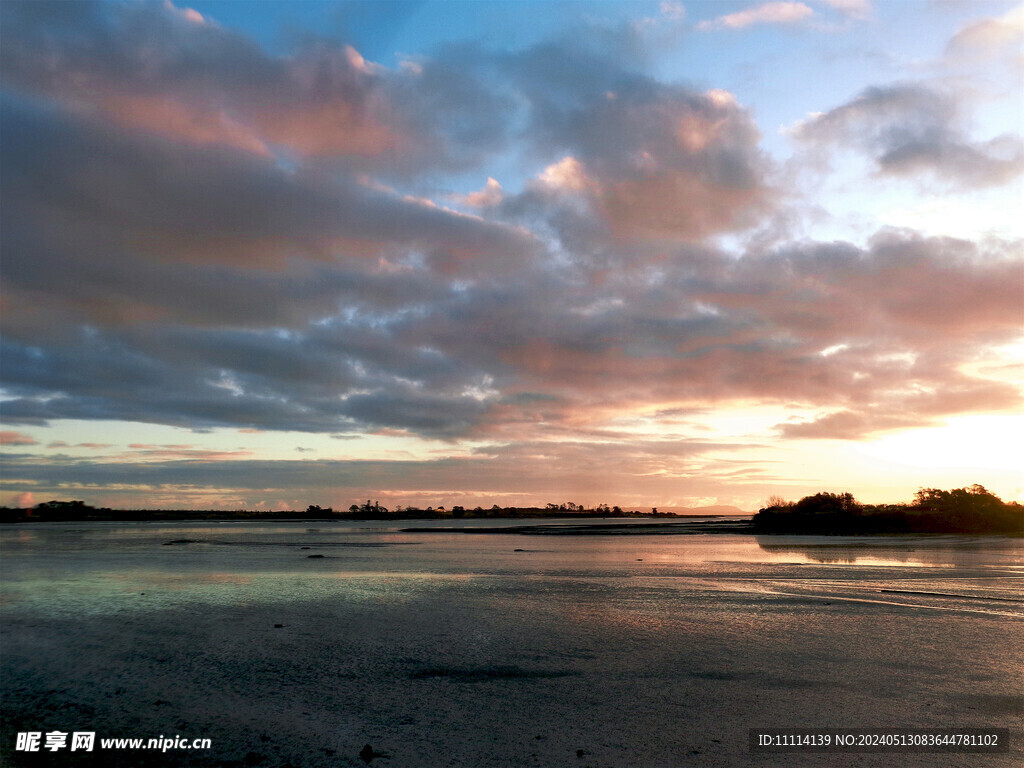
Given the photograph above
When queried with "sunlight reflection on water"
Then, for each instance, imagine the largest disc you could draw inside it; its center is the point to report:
(336, 635)
(104, 568)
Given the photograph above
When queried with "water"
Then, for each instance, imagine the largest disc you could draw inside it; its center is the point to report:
(477, 650)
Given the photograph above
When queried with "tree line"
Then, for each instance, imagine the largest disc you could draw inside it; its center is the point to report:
(59, 510)
(972, 510)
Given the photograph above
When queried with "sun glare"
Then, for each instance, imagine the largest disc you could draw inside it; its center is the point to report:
(992, 442)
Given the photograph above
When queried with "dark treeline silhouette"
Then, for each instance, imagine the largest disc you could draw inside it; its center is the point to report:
(65, 511)
(963, 510)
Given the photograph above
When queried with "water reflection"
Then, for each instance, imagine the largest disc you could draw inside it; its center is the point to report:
(109, 568)
(915, 551)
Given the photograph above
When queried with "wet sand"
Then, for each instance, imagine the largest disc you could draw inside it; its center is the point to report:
(624, 658)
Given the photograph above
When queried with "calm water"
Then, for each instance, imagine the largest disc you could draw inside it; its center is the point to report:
(97, 568)
(457, 649)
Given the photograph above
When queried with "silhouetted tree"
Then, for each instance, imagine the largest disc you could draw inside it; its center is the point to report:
(962, 510)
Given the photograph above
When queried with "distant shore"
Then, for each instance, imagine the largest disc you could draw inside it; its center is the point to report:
(703, 524)
(971, 511)
(80, 512)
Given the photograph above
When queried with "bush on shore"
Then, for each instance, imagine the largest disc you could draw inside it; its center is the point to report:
(963, 510)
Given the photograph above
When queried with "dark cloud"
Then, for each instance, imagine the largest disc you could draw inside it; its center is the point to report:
(910, 130)
(320, 381)
(881, 333)
(199, 233)
(108, 227)
(153, 67)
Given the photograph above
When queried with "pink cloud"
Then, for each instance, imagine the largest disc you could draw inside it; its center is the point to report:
(490, 195)
(169, 71)
(184, 453)
(768, 13)
(293, 114)
(197, 123)
(857, 9)
(989, 37)
(64, 444)
(567, 174)
(877, 337)
(152, 447)
(669, 165)
(675, 204)
(16, 438)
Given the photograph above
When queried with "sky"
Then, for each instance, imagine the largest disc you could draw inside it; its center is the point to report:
(268, 254)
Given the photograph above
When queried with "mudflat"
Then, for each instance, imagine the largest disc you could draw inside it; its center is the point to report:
(441, 649)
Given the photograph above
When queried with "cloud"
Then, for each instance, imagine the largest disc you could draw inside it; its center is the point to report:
(916, 406)
(155, 68)
(491, 194)
(989, 37)
(768, 13)
(855, 9)
(640, 471)
(846, 425)
(643, 160)
(162, 69)
(756, 328)
(171, 453)
(98, 225)
(332, 378)
(829, 326)
(241, 261)
(16, 438)
(672, 10)
(912, 130)
(90, 446)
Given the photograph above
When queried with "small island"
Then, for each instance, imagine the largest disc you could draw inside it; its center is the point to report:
(972, 510)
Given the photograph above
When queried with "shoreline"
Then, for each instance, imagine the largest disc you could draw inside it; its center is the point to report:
(680, 525)
(607, 529)
(158, 516)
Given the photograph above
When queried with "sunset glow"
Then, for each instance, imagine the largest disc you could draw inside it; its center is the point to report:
(270, 254)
